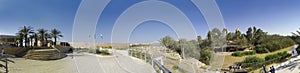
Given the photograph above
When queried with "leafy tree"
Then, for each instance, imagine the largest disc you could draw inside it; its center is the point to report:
(243, 41)
(199, 39)
(259, 35)
(209, 36)
(237, 34)
(168, 42)
(217, 38)
(229, 36)
(274, 42)
(205, 55)
(249, 35)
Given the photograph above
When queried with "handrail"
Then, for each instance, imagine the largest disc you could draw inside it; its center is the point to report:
(163, 68)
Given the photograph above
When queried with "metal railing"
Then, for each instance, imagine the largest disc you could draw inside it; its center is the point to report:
(162, 68)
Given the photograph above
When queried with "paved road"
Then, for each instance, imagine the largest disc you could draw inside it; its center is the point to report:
(22, 65)
(81, 63)
(290, 66)
(131, 64)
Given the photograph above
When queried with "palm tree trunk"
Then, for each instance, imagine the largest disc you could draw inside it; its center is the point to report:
(55, 39)
(26, 39)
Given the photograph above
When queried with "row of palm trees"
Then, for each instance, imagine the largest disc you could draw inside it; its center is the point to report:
(26, 36)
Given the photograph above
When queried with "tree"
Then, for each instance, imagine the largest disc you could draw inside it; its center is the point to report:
(243, 41)
(296, 36)
(209, 36)
(25, 31)
(237, 34)
(199, 39)
(42, 35)
(205, 55)
(228, 36)
(20, 38)
(31, 37)
(35, 36)
(55, 34)
(217, 38)
(259, 35)
(47, 36)
(249, 35)
(297, 33)
(168, 42)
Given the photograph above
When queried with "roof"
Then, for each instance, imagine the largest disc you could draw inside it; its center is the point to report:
(7, 36)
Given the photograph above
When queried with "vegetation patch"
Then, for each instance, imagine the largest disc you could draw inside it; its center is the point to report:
(239, 54)
(102, 52)
(253, 62)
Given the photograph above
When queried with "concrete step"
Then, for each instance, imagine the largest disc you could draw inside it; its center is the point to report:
(44, 54)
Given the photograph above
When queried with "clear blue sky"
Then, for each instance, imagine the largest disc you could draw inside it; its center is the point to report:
(273, 16)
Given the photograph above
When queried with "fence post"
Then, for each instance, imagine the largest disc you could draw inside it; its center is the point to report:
(146, 56)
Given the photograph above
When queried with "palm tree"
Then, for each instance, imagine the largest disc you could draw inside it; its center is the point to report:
(297, 33)
(35, 36)
(42, 33)
(47, 36)
(31, 37)
(20, 38)
(55, 34)
(25, 31)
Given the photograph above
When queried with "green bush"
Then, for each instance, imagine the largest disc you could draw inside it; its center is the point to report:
(250, 52)
(252, 62)
(273, 43)
(98, 51)
(102, 52)
(253, 59)
(260, 49)
(298, 49)
(272, 56)
(276, 56)
(239, 54)
(205, 55)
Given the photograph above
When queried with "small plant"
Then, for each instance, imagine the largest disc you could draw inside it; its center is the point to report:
(175, 67)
